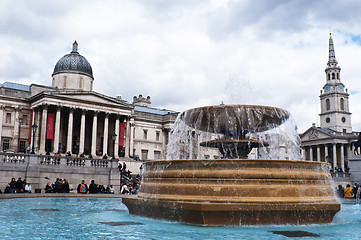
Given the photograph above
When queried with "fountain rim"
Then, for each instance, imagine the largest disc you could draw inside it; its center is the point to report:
(240, 160)
(222, 106)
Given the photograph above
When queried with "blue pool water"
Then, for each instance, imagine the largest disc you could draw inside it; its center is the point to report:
(81, 218)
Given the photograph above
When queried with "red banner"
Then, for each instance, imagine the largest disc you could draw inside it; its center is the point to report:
(31, 123)
(121, 134)
(50, 126)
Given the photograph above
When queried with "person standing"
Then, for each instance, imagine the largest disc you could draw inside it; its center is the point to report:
(12, 185)
(348, 191)
(82, 187)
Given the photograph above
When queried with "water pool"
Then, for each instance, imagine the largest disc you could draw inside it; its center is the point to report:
(108, 218)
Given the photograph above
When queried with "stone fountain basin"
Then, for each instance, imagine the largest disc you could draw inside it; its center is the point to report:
(236, 191)
(234, 120)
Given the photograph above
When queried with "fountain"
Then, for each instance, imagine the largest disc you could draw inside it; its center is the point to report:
(234, 190)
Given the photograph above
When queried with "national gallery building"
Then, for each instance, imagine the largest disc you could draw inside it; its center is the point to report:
(69, 117)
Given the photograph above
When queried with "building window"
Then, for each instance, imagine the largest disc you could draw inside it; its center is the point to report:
(342, 104)
(157, 136)
(6, 144)
(333, 75)
(25, 120)
(145, 134)
(22, 146)
(8, 118)
(328, 120)
(156, 155)
(328, 76)
(338, 76)
(328, 107)
(144, 154)
(206, 156)
(343, 119)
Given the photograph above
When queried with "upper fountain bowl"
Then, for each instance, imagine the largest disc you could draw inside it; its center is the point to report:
(234, 121)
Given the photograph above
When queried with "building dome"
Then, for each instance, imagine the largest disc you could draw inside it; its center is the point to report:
(73, 63)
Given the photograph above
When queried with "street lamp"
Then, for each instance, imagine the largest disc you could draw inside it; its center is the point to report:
(114, 136)
(33, 127)
(20, 121)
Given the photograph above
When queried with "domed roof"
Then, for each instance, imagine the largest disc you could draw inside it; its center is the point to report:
(73, 63)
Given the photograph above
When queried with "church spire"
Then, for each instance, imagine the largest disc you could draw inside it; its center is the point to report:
(332, 62)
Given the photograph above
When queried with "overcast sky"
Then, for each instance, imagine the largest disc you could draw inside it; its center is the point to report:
(187, 53)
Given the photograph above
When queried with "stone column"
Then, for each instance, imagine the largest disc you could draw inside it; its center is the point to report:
(334, 156)
(311, 153)
(57, 130)
(304, 155)
(326, 153)
(342, 158)
(105, 136)
(1, 120)
(94, 134)
(131, 144)
(82, 132)
(69, 140)
(31, 131)
(127, 138)
(116, 142)
(43, 129)
(318, 153)
(37, 134)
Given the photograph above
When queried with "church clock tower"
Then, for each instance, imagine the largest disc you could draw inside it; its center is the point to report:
(335, 113)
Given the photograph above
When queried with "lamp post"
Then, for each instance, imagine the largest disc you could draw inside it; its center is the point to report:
(20, 121)
(114, 136)
(33, 127)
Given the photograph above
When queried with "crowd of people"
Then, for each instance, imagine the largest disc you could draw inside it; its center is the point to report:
(18, 186)
(129, 184)
(94, 188)
(349, 192)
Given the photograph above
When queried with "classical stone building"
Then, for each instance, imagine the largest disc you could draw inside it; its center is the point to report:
(331, 141)
(69, 117)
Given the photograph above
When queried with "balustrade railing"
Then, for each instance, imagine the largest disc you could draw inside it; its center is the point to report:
(71, 161)
(18, 158)
(13, 158)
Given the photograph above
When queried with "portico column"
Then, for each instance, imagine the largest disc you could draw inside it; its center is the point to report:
(342, 158)
(57, 130)
(318, 153)
(1, 120)
(31, 129)
(127, 138)
(105, 136)
(116, 142)
(326, 153)
(69, 140)
(37, 134)
(334, 156)
(131, 145)
(311, 153)
(43, 129)
(94, 134)
(82, 132)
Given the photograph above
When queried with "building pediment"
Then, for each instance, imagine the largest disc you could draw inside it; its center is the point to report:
(81, 99)
(314, 133)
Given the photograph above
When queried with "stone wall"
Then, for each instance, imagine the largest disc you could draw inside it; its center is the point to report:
(38, 170)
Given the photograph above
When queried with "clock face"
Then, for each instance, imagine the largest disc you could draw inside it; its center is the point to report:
(340, 87)
(327, 88)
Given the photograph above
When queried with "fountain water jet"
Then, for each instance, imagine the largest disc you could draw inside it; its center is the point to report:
(235, 190)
